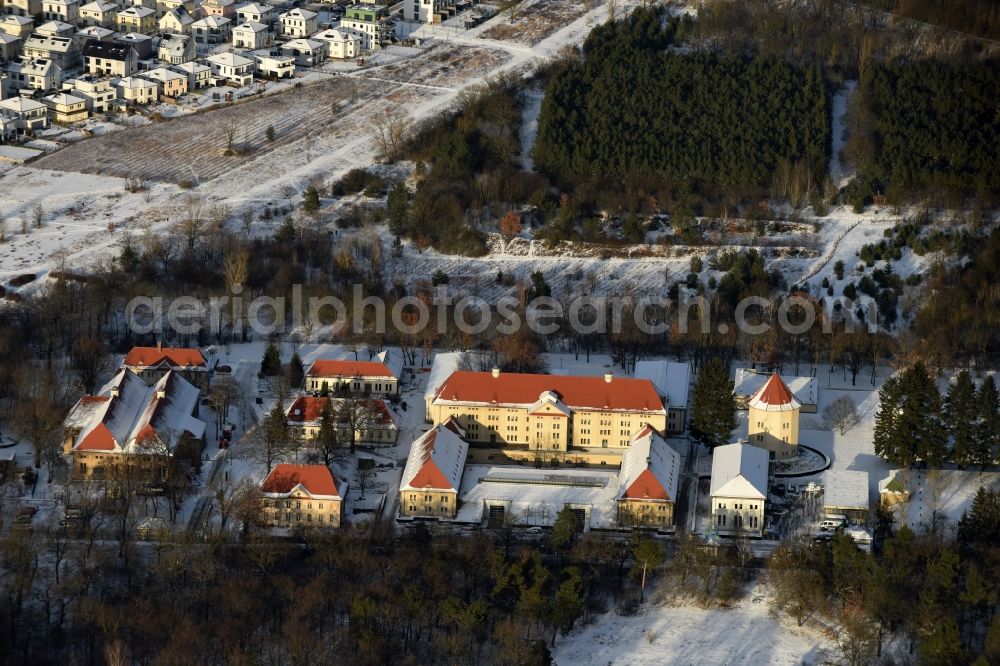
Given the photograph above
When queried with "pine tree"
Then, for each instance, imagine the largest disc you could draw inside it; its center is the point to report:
(960, 418)
(296, 372)
(398, 208)
(327, 440)
(886, 437)
(567, 605)
(271, 365)
(713, 407)
(987, 432)
(310, 200)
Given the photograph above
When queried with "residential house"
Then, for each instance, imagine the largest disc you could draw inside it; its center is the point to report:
(10, 47)
(152, 363)
(528, 415)
(212, 30)
(749, 380)
(223, 8)
(379, 376)
(433, 474)
(428, 11)
(199, 75)
(306, 52)
(128, 417)
(137, 19)
(62, 51)
(23, 8)
(773, 419)
(8, 128)
(894, 489)
(176, 21)
(175, 49)
(258, 13)
(672, 382)
(148, 4)
(302, 496)
(164, 6)
(372, 419)
(648, 483)
(99, 13)
(98, 94)
(275, 66)
(341, 42)
(298, 23)
(169, 83)
(19, 27)
(372, 21)
(65, 108)
(61, 10)
(231, 69)
(252, 35)
(26, 114)
(739, 489)
(135, 90)
(845, 493)
(104, 59)
(36, 74)
(55, 29)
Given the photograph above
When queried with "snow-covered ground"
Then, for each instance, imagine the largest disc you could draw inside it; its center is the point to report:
(662, 634)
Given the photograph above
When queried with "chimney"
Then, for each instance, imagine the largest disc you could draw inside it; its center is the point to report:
(495, 372)
(114, 391)
(648, 461)
(161, 393)
(159, 345)
(607, 375)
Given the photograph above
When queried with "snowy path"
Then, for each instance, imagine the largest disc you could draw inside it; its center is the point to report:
(840, 173)
(529, 126)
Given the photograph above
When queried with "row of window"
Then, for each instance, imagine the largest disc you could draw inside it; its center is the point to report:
(288, 504)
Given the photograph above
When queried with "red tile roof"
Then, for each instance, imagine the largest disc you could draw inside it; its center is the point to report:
(174, 356)
(307, 408)
(328, 368)
(508, 388)
(646, 486)
(774, 393)
(429, 475)
(316, 479)
(98, 439)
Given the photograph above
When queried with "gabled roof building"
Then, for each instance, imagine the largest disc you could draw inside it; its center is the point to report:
(739, 488)
(433, 474)
(303, 496)
(648, 483)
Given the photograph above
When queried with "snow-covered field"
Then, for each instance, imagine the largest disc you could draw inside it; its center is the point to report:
(661, 634)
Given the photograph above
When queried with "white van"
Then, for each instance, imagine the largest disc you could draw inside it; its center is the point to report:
(831, 523)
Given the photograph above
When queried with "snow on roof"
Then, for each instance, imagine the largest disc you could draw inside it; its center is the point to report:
(135, 82)
(536, 496)
(21, 104)
(650, 468)
(303, 44)
(299, 14)
(99, 6)
(251, 25)
(212, 21)
(510, 388)
(443, 365)
(749, 381)
(192, 66)
(845, 489)
(127, 412)
(740, 470)
(339, 34)
(229, 59)
(148, 357)
(549, 404)
(315, 480)
(671, 379)
(164, 74)
(436, 461)
(894, 482)
(255, 7)
(63, 98)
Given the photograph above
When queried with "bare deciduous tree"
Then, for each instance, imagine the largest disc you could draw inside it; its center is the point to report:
(388, 129)
(841, 414)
